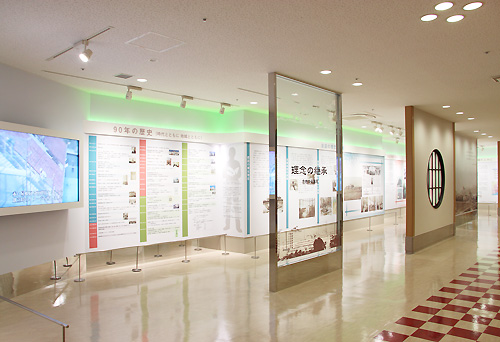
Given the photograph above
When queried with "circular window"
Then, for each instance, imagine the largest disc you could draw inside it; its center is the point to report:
(435, 179)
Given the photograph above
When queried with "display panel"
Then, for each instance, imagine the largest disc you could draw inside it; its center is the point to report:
(363, 185)
(39, 170)
(395, 183)
(487, 179)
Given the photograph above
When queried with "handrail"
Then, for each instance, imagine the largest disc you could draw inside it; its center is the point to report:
(53, 320)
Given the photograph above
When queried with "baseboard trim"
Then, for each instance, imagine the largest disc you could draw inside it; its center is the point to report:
(419, 242)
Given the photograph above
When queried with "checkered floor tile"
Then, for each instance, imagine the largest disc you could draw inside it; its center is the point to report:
(467, 309)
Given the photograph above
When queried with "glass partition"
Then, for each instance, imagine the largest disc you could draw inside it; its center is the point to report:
(306, 209)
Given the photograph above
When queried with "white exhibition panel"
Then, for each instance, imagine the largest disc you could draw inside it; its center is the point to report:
(395, 182)
(363, 185)
(487, 180)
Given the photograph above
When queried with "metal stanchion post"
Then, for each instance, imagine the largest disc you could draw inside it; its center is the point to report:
(136, 269)
(395, 219)
(158, 255)
(370, 224)
(255, 256)
(186, 260)
(225, 247)
(80, 279)
(197, 245)
(67, 264)
(489, 210)
(55, 276)
(400, 209)
(110, 262)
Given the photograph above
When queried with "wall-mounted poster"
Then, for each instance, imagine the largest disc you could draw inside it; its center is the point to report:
(487, 180)
(395, 183)
(363, 185)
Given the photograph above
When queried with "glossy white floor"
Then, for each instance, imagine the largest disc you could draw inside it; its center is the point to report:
(226, 298)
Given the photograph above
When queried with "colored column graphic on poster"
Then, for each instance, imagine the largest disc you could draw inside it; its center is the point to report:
(363, 185)
(117, 190)
(487, 180)
(395, 183)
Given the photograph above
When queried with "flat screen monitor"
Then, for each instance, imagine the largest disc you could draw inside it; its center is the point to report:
(39, 170)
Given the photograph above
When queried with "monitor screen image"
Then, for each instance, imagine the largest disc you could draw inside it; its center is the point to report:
(38, 169)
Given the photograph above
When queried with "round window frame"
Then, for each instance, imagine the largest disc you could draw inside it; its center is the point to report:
(434, 169)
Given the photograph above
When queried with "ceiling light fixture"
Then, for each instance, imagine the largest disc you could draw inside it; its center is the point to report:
(476, 131)
(142, 80)
(470, 118)
(483, 134)
(460, 113)
(397, 140)
(455, 18)
(128, 95)
(326, 72)
(254, 102)
(392, 130)
(400, 132)
(429, 17)
(183, 100)
(357, 83)
(87, 53)
(490, 136)
(223, 106)
(446, 106)
(443, 6)
(295, 94)
(473, 5)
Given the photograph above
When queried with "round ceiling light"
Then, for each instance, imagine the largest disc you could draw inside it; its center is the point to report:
(326, 72)
(470, 118)
(253, 102)
(142, 80)
(472, 6)
(446, 106)
(429, 17)
(476, 131)
(460, 113)
(295, 94)
(444, 6)
(490, 136)
(455, 18)
(357, 84)
(483, 133)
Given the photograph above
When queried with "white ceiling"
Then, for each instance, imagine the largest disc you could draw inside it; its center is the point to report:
(400, 59)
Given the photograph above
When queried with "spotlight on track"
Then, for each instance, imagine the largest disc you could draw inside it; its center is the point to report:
(223, 106)
(183, 100)
(86, 53)
(128, 95)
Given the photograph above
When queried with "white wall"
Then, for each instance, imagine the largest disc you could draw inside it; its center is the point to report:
(32, 239)
(431, 133)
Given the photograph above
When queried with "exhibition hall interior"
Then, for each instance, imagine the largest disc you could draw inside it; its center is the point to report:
(249, 171)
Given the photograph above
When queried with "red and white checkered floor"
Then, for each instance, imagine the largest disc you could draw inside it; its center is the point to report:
(467, 309)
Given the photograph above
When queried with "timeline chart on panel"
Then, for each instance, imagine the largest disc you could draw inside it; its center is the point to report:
(363, 185)
(161, 216)
(395, 183)
(487, 180)
(202, 199)
(114, 216)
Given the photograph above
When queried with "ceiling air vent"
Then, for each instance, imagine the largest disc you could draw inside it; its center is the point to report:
(124, 76)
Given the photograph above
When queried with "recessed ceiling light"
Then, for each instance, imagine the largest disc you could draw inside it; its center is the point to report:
(460, 113)
(443, 6)
(455, 18)
(490, 136)
(473, 5)
(357, 84)
(363, 126)
(429, 17)
(253, 102)
(326, 72)
(470, 118)
(142, 80)
(295, 94)
(445, 107)
(476, 131)
(483, 133)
